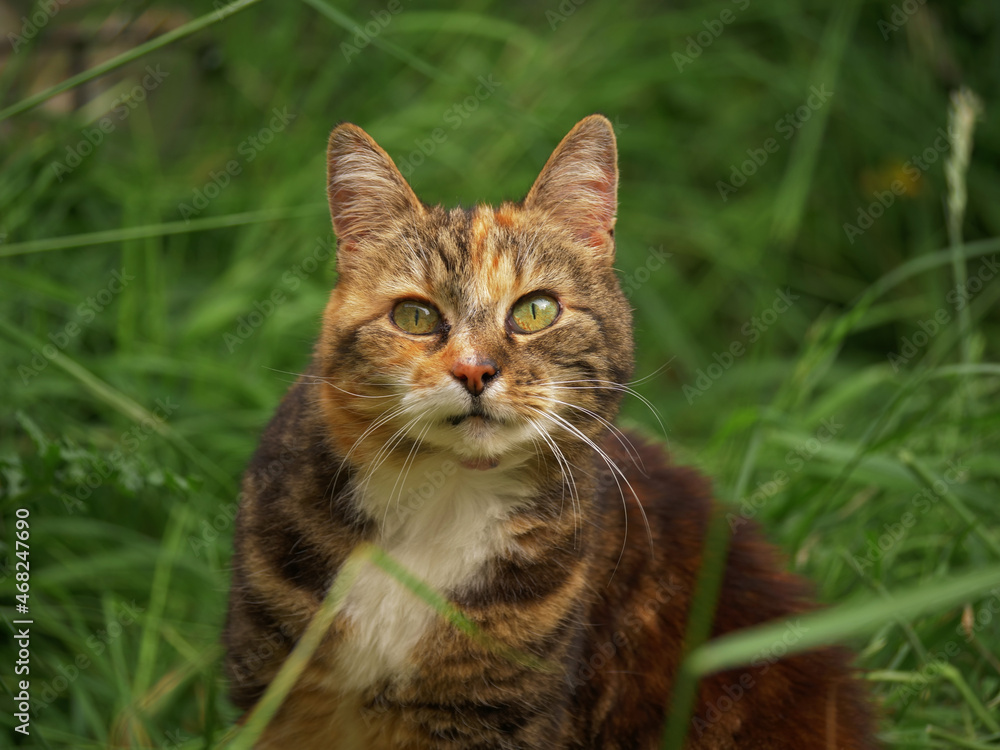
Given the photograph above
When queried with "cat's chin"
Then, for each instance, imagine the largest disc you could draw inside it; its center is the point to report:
(479, 464)
(479, 443)
(476, 428)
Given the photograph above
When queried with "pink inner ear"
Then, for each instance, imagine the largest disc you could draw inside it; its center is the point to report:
(342, 202)
(596, 240)
(364, 188)
(602, 194)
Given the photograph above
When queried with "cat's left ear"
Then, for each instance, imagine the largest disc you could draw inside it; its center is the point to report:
(578, 187)
(366, 191)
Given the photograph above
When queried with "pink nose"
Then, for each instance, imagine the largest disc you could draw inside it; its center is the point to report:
(474, 375)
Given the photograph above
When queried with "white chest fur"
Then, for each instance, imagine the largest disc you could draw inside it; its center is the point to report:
(443, 523)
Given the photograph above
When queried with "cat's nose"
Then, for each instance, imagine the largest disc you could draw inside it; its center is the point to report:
(475, 375)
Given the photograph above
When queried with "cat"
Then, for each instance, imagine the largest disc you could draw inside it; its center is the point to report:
(458, 413)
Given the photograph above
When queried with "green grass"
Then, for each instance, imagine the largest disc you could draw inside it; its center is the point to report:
(840, 424)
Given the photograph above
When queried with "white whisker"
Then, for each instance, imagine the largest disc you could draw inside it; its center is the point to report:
(622, 438)
(404, 473)
(616, 472)
(567, 385)
(385, 452)
(566, 470)
(316, 379)
(387, 415)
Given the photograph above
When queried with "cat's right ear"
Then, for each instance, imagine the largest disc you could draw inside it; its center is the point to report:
(578, 187)
(365, 189)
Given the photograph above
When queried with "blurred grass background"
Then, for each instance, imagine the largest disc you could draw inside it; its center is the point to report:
(139, 366)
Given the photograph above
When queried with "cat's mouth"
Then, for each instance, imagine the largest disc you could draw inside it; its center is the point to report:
(484, 436)
(476, 412)
(477, 425)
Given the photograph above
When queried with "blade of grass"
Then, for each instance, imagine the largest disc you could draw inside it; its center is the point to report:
(927, 478)
(468, 23)
(159, 230)
(842, 622)
(951, 371)
(794, 188)
(703, 604)
(265, 709)
(965, 108)
(875, 428)
(827, 342)
(699, 627)
(123, 404)
(126, 57)
(922, 263)
(169, 553)
(956, 741)
(454, 615)
(955, 678)
(342, 19)
(296, 662)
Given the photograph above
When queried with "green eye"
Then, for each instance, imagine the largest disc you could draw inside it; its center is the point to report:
(533, 312)
(416, 317)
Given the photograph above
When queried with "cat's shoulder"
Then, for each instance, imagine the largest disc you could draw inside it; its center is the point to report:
(642, 470)
(662, 513)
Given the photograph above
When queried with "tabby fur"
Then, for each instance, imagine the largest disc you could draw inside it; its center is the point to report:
(559, 535)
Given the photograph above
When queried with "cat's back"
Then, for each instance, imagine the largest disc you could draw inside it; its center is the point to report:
(653, 518)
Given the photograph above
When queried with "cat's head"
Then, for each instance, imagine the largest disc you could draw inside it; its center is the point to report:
(488, 334)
